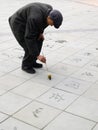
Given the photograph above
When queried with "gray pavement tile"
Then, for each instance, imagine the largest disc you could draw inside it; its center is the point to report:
(86, 54)
(53, 58)
(76, 60)
(10, 103)
(31, 89)
(86, 75)
(63, 69)
(37, 114)
(8, 65)
(76, 44)
(16, 51)
(22, 74)
(85, 107)
(6, 44)
(66, 51)
(43, 78)
(57, 98)
(70, 122)
(13, 124)
(9, 81)
(92, 92)
(74, 85)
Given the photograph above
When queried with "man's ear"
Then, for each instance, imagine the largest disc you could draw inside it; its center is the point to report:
(49, 17)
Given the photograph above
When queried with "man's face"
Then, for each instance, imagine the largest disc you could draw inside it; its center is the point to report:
(50, 21)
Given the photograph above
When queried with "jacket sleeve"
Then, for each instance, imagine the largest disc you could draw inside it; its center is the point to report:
(31, 35)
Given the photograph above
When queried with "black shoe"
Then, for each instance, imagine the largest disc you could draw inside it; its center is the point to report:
(28, 70)
(37, 65)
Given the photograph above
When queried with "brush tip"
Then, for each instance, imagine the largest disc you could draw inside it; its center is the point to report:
(49, 76)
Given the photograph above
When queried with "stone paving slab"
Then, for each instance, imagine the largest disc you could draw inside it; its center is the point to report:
(70, 99)
(71, 123)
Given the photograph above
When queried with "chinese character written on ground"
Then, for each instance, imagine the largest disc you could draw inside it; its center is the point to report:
(37, 111)
(87, 54)
(72, 85)
(87, 74)
(57, 97)
(95, 65)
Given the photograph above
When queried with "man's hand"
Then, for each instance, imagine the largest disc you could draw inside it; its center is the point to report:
(42, 58)
(41, 37)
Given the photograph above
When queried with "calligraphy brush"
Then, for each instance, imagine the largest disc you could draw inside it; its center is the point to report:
(49, 75)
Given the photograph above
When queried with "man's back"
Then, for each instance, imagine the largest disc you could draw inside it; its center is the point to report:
(32, 10)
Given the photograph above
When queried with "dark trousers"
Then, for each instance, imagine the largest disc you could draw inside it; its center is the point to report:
(19, 33)
(28, 60)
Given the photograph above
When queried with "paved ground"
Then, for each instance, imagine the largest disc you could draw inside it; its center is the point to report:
(70, 100)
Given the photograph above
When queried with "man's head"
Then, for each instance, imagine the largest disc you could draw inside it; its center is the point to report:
(55, 18)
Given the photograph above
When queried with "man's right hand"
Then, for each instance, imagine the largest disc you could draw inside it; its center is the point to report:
(42, 58)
